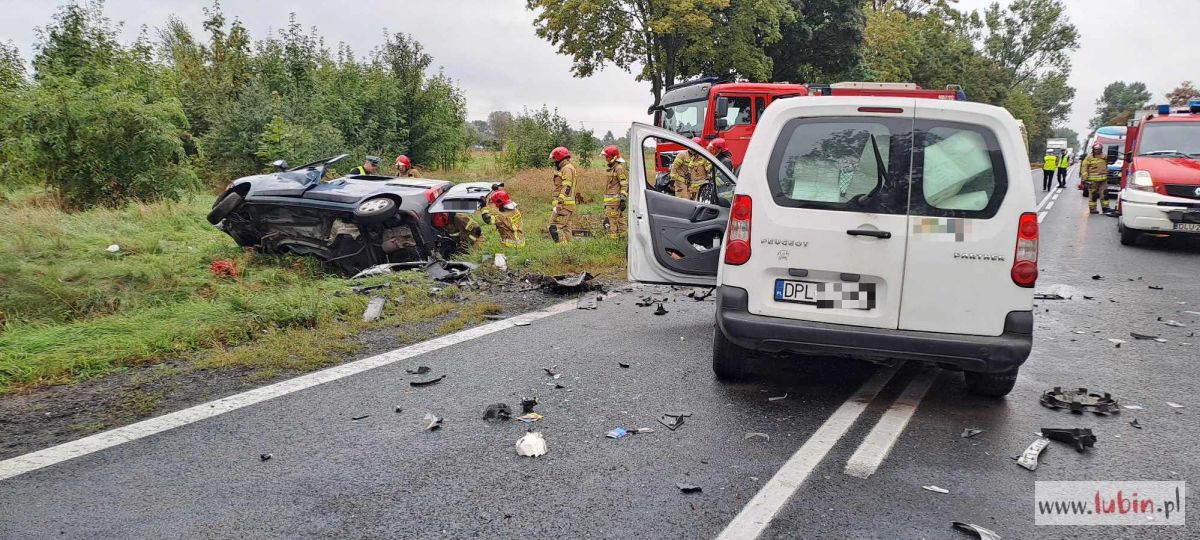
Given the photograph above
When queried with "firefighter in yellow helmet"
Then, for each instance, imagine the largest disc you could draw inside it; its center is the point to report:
(1094, 171)
(616, 192)
(564, 195)
(506, 218)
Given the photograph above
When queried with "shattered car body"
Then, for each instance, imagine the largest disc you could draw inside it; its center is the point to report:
(350, 223)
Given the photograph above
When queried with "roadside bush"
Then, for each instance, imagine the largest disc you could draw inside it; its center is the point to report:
(532, 135)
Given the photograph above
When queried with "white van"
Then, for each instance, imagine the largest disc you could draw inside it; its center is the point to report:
(862, 227)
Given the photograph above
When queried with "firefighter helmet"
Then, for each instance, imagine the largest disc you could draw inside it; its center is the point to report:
(560, 153)
(716, 146)
(611, 152)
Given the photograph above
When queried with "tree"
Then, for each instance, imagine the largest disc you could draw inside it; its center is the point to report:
(823, 40)
(1118, 103)
(499, 123)
(1180, 96)
(1030, 38)
(79, 43)
(12, 68)
(668, 40)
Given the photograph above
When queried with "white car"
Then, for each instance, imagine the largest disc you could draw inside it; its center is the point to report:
(881, 229)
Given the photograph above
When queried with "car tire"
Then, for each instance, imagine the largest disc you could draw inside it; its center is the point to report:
(991, 384)
(730, 362)
(1129, 237)
(373, 211)
(225, 206)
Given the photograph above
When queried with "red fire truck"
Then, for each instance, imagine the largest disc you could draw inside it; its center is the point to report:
(1160, 180)
(709, 108)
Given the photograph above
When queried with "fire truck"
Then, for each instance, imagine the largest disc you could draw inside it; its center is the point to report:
(1160, 177)
(709, 108)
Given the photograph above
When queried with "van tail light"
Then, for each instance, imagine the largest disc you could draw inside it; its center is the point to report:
(1024, 268)
(737, 238)
(440, 220)
(431, 194)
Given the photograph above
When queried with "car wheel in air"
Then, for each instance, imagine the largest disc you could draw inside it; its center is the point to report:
(730, 362)
(225, 206)
(991, 384)
(377, 210)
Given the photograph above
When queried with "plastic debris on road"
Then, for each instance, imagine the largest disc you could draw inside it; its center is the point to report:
(1174, 323)
(530, 418)
(1050, 296)
(688, 488)
(1133, 407)
(430, 422)
(700, 293)
(622, 365)
(521, 323)
(982, 533)
(374, 309)
(756, 435)
(1136, 335)
(387, 268)
(362, 417)
(427, 381)
(617, 433)
(661, 310)
(935, 489)
(967, 433)
(674, 420)
(1174, 405)
(531, 444)
(449, 270)
(1116, 342)
(778, 398)
(113, 248)
(587, 301)
(264, 457)
(1097, 277)
(1080, 400)
(1080, 438)
(527, 404)
(500, 261)
(1135, 423)
(1029, 458)
(1154, 287)
(497, 411)
(417, 370)
(223, 268)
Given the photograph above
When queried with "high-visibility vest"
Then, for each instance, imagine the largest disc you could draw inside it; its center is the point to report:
(1051, 163)
(1064, 161)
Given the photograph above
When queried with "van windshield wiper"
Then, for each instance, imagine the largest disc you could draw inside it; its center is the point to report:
(1164, 153)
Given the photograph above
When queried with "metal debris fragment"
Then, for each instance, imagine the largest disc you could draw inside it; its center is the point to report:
(1136, 335)
(1154, 287)
(430, 422)
(1080, 438)
(1117, 342)
(688, 488)
(967, 433)
(387, 268)
(374, 309)
(984, 534)
(1097, 277)
(1029, 458)
(935, 489)
(449, 270)
(622, 364)
(673, 421)
(1080, 400)
(521, 323)
(1050, 296)
(1174, 405)
(778, 398)
(1135, 423)
(264, 457)
(532, 444)
(1174, 323)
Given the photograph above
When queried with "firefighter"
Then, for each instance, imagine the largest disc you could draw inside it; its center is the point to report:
(370, 166)
(1049, 167)
(404, 167)
(1064, 163)
(464, 231)
(1094, 171)
(700, 171)
(564, 195)
(719, 150)
(681, 168)
(506, 218)
(616, 191)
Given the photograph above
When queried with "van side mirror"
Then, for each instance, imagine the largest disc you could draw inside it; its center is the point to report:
(1113, 154)
(722, 107)
(280, 165)
(722, 124)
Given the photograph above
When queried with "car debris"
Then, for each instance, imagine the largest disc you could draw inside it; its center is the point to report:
(1136, 335)
(427, 381)
(527, 404)
(650, 301)
(1097, 277)
(568, 282)
(521, 323)
(622, 365)
(1080, 400)
(417, 370)
(661, 310)
(430, 422)
(363, 417)
(778, 398)
(1175, 323)
(500, 261)
(935, 489)
(364, 289)
(617, 433)
(644, 430)
(1080, 438)
(588, 301)
(449, 270)
(113, 248)
(967, 433)
(387, 268)
(1086, 297)
(688, 488)
(700, 293)
(673, 420)
(981, 532)
(265, 457)
(756, 435)
(1154, 287)
(1135, 423)
(552, 370)
(530, 417)
(223, 268)
(1117, 342)
(1196, 313)
(1050, 296)
(374, 309)
(532, 444)
(497, 411)
(399, 410)
(1174, 405)
(1029, 458)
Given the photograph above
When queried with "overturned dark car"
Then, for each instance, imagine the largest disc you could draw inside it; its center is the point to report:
(350, 223)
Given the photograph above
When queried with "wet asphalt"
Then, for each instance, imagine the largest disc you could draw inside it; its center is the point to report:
(383, 476)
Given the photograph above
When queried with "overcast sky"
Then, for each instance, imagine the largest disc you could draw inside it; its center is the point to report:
(490, 48)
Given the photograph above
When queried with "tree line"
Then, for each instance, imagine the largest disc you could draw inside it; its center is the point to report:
(102, 123)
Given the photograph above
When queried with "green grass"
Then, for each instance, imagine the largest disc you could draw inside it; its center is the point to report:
(70, 310)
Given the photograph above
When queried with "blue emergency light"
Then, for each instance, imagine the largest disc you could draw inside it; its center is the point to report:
(1194, 105)
(1164, 110)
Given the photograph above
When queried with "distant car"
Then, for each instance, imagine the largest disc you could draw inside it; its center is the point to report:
(352, 222)
(879, 229)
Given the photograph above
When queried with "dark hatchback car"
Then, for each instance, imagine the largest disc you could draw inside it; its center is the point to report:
(352, 222)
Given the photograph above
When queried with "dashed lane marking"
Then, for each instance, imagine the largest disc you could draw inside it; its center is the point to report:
(879, 442)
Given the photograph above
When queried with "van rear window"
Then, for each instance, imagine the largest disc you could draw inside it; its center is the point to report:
(855, 164)
(958, 171)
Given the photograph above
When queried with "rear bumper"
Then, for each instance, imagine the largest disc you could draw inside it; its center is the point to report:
(989, 354)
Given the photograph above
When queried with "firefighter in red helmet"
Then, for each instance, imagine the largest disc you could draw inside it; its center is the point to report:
(506, 218)
(720, 150)
(616, 191)
(564, 195)
(404, 167)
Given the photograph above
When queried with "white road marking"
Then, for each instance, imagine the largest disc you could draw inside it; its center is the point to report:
(758, 513)
(879, 442)
(1042, 216)
(1049, 206)
(43, 458)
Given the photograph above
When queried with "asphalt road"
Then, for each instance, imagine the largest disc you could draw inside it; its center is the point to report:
(383, 476)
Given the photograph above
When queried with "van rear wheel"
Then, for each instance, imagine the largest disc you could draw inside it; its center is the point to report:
(991, 384)
(1129, 237)
(730, 362)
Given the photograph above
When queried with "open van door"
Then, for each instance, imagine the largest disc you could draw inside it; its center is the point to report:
(673, 240)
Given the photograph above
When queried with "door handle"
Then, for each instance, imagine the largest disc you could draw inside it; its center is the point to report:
(869, 232)
(700, 214)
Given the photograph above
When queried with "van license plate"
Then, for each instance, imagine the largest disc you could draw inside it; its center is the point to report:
(1188, 227)
(836, 295)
